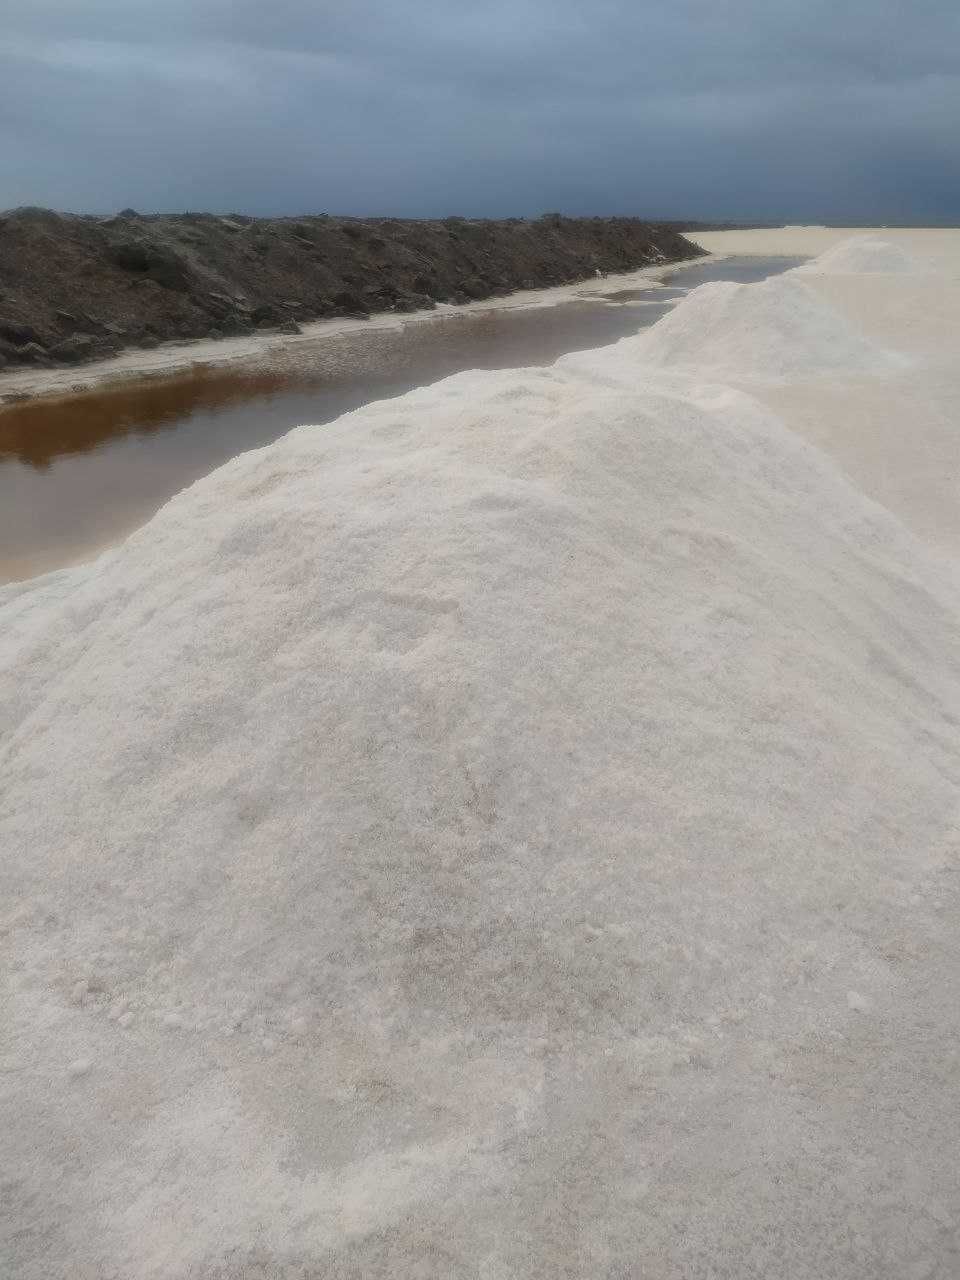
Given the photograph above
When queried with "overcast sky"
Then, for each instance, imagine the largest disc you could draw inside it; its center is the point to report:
(772, 109)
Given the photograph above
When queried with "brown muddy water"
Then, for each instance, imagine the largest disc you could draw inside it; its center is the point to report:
(78, 474)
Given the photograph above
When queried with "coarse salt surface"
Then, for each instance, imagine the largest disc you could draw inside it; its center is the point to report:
(863, 255)
(777, 330)
(510, 832)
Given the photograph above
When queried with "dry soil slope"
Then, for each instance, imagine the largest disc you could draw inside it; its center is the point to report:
(74, 288)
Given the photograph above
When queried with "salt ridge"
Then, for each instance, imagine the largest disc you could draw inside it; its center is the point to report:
(780, 330)
(503, 824)
(863, 255)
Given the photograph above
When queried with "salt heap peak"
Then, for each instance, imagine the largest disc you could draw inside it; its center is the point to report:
(862, 255)
(465, 784)
(509, 830)
(780, 330)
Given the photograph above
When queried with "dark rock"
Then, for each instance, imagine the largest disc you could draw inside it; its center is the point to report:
(32, 213)
(73, 350)
(170, 272)
(128, 213)
(223, 305)
(218, 304)
(129, 257)
(236, 326)
(265, 314)
(289, 327)
(160, 264)
(474, 287)
(188, 329)
(348, 301)
(32, 353)
(17, 332)
(148, 342)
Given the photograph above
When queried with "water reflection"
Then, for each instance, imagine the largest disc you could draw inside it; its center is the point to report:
(643, 295)
(37, 432)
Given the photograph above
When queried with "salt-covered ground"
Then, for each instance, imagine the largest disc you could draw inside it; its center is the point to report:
(512, 832)
(898, 439)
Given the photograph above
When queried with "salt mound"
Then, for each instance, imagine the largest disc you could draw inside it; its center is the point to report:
(862, 255)
(487, 823)
(780, 329)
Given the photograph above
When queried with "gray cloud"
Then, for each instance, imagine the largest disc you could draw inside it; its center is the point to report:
(701, 108)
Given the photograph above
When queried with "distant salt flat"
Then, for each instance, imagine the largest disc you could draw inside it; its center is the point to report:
(928, 245)
(513, 831)
(864, 255)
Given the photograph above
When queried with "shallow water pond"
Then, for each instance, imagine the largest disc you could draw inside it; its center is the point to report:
(78, 474)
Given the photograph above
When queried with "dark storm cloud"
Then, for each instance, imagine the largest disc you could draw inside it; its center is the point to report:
(744, 108)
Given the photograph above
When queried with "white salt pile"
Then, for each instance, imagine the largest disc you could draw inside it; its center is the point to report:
(780, 329)
(863, 255)
(507, 833)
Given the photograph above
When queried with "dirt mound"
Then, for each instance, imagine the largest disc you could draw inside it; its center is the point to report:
(78, 288)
